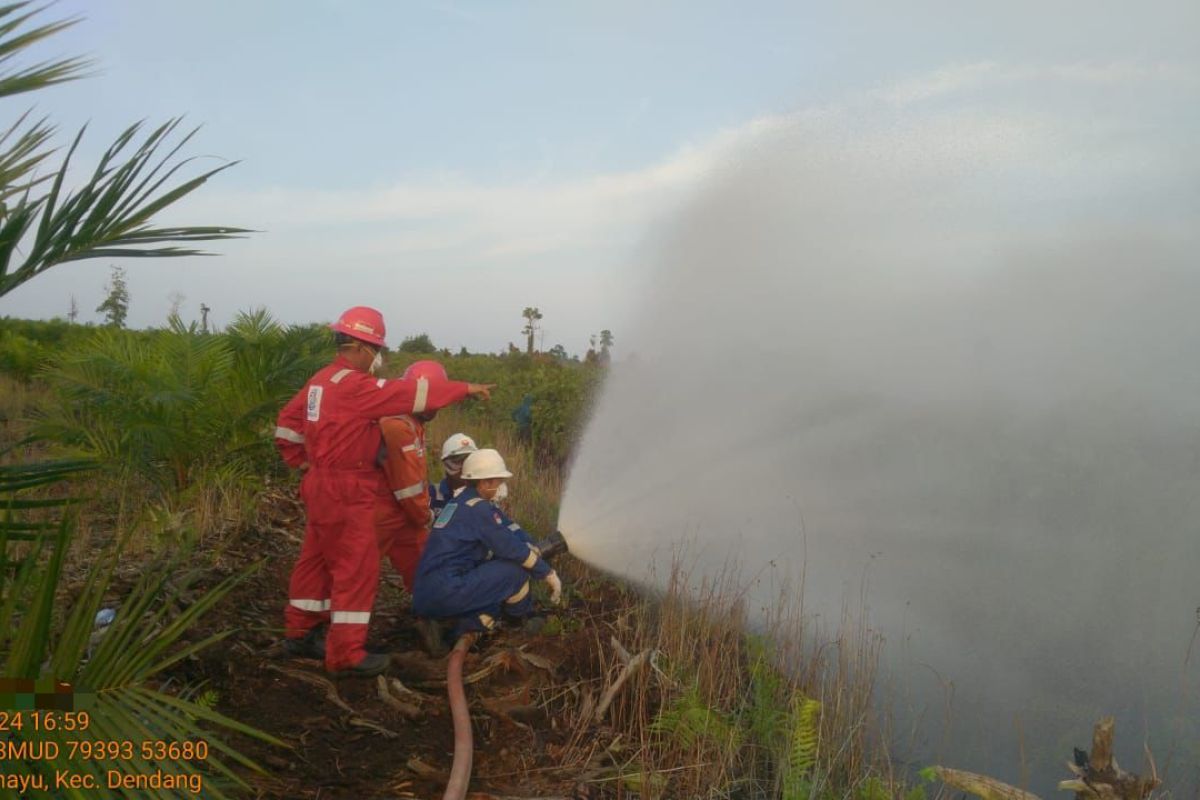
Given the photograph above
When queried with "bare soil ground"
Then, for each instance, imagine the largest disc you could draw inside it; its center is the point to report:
(530, 695)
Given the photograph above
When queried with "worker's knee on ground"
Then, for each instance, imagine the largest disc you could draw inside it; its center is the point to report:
(520, 595)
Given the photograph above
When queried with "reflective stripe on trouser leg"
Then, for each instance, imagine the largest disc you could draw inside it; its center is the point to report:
(308, 588)
(519, 596)
(309, 604)
(352, 553)
(474, 623)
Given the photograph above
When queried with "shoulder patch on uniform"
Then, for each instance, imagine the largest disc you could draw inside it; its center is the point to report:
(473, 501)
(313, 407)
(444, 517)
(496, 516)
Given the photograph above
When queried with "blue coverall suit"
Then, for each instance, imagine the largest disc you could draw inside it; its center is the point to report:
(475, 567)
(439, 495)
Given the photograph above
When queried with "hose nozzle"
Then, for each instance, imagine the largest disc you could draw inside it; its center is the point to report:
(553, 545)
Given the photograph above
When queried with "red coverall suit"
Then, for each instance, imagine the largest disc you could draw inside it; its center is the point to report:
(402, 519)
(332, 426)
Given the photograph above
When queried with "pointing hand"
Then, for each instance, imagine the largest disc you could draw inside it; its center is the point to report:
(481, 391)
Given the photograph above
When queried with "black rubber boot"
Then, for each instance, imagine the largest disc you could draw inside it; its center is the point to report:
(432, 637)
(372, 664)
(311, 645)
(531, 623)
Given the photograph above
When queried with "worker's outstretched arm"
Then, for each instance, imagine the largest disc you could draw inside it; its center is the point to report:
(504, 545)
(377, 397)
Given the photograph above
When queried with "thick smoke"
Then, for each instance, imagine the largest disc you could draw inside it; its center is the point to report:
(947, 355)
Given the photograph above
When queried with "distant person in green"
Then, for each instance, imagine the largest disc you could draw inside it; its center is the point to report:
(523, 416)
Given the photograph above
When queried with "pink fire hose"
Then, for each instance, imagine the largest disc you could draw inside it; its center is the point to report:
(464, 745)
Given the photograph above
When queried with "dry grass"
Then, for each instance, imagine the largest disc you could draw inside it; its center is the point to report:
(18, 400)
(713, 713)
(710, 709)
(534, 489)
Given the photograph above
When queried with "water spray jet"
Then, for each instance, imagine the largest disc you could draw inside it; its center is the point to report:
(941, 359)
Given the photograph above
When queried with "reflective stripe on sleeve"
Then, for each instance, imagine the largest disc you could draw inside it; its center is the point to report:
(381, 382)
(422, 396)
(514, 527)
(519, 596)
(530, 561)
(289, 435)
(408, 448)
(310, 605)
(352, 617)
(409, 491)
(341, 373)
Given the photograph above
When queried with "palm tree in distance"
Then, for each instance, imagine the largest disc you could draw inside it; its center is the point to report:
(531, 315)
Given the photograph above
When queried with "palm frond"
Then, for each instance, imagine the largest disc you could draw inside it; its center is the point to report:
(117, 672)
(111, 215)
(20, 155)
(13, 42)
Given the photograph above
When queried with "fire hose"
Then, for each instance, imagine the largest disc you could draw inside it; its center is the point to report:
(464, 744)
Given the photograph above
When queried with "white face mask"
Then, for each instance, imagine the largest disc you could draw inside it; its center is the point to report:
(501, 492)
(377, 362)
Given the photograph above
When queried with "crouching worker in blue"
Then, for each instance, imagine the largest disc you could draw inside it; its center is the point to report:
(474, 568)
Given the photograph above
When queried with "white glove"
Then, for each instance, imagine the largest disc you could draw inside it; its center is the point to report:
(555, 584)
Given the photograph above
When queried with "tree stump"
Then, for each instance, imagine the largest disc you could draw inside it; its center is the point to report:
(1097, 776)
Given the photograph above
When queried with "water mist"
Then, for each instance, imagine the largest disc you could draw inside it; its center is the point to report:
(944, 356)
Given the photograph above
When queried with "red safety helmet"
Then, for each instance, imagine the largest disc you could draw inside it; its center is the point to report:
(363, 323)
(431, 371)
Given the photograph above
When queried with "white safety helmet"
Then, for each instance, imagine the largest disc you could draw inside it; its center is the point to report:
(482, 464)
(458, 445)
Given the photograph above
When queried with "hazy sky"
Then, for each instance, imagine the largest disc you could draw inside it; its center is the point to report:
(452, 163)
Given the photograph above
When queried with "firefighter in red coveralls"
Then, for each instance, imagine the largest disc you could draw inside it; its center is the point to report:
(402, 520)
(330, 430)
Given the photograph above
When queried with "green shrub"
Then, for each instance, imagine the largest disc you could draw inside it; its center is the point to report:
(175, 405)
(562, 394)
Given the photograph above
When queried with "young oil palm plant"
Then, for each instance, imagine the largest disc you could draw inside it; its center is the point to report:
(43, 222)
(111, 215)
(176, 406)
